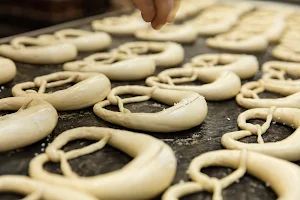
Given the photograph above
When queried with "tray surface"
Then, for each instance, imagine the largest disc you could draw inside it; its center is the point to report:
(188, 144)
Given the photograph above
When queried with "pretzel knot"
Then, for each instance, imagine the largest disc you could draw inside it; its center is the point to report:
(120, 102)
(215, 185)
(43, 84)
(253, 90)
(173, 81)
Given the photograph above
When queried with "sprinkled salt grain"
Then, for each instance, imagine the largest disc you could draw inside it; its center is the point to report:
(273, 122)
(36, 154)
(209, 139)
(237, 181)
(283, 124)
(42, 149)
(267, 184)
(2, 87)
(228, 118)
(43, 144)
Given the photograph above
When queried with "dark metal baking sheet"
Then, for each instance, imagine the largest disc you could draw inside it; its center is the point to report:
(186, 144)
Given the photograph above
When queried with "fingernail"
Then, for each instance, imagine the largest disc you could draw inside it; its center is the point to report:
(157, 27)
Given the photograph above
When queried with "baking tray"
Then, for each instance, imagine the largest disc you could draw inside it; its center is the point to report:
(188, 144)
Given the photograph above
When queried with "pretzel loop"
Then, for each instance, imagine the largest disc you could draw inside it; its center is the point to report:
(57, 155)
(120, 102)
(215, 185)
(253, 90)
(43, 84)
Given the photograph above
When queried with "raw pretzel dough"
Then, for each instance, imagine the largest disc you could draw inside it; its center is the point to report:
(8, 70)
(191, 7)
(34, 120)
(108, 64)
(82, 39)
(90, 88)
(274, 77)
(120, 25)
(248, 97)
(245, 66)
(239, 41)
(36, 190)
(289, 49)
(253, 33)
(172, 33)
(282, 176)
(288, 149)
(188, 109)
(218, 18)
(40, 51)
(220, 86)
(149, 173)
(167, 54)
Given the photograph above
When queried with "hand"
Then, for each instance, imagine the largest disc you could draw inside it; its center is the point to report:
(158, 12)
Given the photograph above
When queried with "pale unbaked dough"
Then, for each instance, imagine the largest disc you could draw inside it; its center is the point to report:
(121, 25)
(282, 176)
(218, 18)
(167, 54)
(188, 109)
(172, 33)
(239, 41)
(253, 33)
(90, 88)
(288, 149)
(36, 190)
(82, 39)
(189, 8)
(109, 65)
(248, 97)
(39, 51)
(149, 173)
(34, 120)
(288, 49)
(8, 70)
(245, 66)
(274, 77)
(220, 86)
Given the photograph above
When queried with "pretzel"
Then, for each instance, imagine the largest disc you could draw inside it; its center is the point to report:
(167, 54)
(121, 25)
(82, 39)
(288, 51)
(34, 120)
(248, 97)
(109, 65)
(173, 33)
(220, 86)
(90, 88)
(39, 51)
(191, 7)
(245, 66)
(218, 18)
(188, 109)
(274, 77)
(282, 176)
(36, 190)
(287, 149)
(239, 41)
(8, 70)
(150, 172)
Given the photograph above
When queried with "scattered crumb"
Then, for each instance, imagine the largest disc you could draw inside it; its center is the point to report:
(228, 118)
(36, 154)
